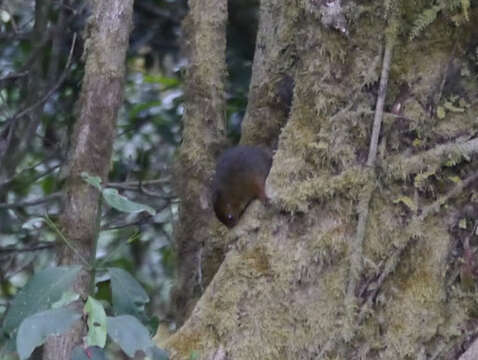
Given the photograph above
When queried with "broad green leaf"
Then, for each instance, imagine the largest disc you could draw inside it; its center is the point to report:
(92, 180)
(128, 295)
(129, 334)
(42, 290)
(96, 323)
(91, 353)
(34, 330)
(121, 203)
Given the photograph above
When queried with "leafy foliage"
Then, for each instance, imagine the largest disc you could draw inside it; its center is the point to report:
(128, 295)
(32, 324)
(129, 333)
(44, 289)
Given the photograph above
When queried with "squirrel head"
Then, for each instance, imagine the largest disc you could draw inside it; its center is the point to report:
(225, 211)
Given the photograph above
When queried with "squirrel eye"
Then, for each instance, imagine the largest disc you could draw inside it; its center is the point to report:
(230, 217)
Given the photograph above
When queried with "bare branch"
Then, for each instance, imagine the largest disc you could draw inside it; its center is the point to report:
(27, 203)
(50, 92)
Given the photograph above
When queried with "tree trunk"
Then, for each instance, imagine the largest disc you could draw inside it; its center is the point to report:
(368, 248)
(90, 152)
(203, 136)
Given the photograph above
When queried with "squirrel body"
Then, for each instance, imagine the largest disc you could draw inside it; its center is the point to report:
(240, 177)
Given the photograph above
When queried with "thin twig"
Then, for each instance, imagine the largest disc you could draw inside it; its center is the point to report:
(128, 185)
(382, 92)
(27, 203)
(66, 241)
(40, 246)
(356, 247)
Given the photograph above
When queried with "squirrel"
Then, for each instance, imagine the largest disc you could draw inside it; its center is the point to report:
(240, 177)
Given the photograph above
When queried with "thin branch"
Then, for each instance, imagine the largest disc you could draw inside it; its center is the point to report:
(139, 221)
(382, 92)
(66, 241)
(39, 176)
(14, 75)
(27, 203)
(356, 247)
(38, 247)
(402, 166)
(128, 185)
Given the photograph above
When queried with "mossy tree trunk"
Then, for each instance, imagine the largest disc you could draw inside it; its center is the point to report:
(203, 138)
(366, 251)
(90, 152)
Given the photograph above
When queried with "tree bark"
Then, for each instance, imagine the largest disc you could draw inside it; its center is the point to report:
(91, 147)
(273, 72)
(290, 287)
(203, 137)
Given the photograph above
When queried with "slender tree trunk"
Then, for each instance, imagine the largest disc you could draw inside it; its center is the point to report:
(203, 137)
(90, 151)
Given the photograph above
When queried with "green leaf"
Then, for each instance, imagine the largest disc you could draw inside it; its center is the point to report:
(96, 323)
(92, 180)
(137, 109)
(449, 106)
(128, 295)
(49, 184)
(34, 330)
(129, 334)
(42, 290)
(121, 203)
(441, 112)
(90, 353)
(163, 80)
(66, 298)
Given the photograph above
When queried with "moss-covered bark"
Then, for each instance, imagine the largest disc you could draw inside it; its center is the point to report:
(203, 137)
(280, 292)
(273, 73)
